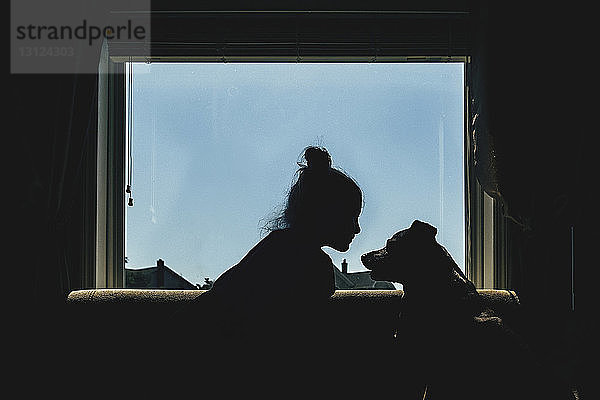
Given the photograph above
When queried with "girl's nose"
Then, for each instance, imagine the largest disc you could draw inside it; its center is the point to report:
(356, 226)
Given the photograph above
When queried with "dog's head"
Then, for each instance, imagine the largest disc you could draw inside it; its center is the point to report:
(403, 254)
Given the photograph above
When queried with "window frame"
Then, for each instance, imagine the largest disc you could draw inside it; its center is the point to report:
(485, 225)
(109, 270)
(485, 251)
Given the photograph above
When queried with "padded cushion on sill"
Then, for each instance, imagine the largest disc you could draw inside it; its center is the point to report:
(139, 304)
(129, 296)
(357, 316)
(506, 300)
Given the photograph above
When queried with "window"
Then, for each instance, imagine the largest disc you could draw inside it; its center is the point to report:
(212, 151)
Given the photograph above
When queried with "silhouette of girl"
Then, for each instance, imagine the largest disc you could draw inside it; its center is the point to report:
(286, 279)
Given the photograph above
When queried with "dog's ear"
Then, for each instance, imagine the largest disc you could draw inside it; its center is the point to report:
(424, 228)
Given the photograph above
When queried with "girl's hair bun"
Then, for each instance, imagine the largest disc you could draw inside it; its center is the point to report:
(317, 158)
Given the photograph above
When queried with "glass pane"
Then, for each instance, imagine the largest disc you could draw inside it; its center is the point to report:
(215, 146)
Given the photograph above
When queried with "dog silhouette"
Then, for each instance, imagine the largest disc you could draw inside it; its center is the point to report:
(451, 346)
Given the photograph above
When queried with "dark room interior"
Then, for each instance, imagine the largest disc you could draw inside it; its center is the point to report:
(529, 128)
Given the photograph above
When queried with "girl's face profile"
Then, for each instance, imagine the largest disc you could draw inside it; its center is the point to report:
(341, 228)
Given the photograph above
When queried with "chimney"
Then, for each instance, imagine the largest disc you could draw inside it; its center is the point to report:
(344, 266)
(160, 273)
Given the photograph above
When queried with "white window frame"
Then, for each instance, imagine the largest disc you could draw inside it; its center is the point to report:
(485, 226)
(485, 255)
(110, 210)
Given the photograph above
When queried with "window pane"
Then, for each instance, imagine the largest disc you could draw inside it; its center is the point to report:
(214, 149)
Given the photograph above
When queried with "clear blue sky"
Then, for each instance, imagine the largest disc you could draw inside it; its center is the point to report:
(215, 149)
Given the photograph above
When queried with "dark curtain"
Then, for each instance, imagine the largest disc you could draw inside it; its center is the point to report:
(56, 118)
(533, 92)
(529, 130)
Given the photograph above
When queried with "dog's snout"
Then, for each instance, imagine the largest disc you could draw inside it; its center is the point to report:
(366, 259)
(372, 258)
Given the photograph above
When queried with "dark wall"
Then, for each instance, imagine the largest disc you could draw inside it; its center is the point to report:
(533, 90)
(53, 119)
(533, 80)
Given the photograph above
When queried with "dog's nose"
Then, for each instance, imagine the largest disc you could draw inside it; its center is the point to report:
(367, 259)
(373, 258)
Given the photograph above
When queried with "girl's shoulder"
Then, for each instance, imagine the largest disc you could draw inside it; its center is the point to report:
(281, 256)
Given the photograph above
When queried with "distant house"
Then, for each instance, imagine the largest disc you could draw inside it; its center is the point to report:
(163, 277)
(156, 277)
(345, 280)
